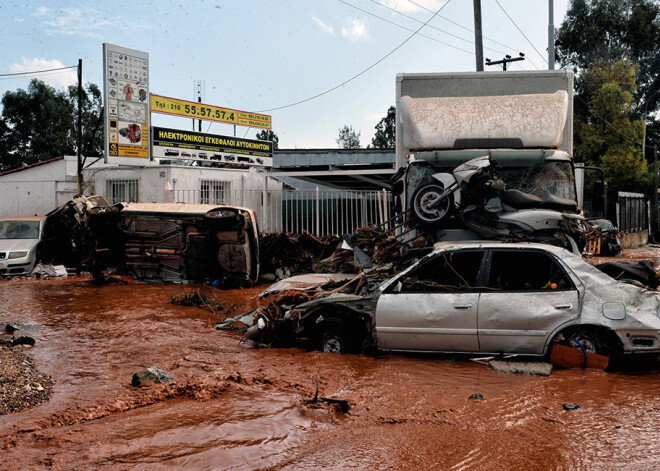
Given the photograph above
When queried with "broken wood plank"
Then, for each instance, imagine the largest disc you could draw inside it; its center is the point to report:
(568, 357)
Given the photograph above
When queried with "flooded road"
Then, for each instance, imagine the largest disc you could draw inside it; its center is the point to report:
(235, 407)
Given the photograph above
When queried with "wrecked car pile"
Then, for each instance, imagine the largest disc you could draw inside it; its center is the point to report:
(285, 254)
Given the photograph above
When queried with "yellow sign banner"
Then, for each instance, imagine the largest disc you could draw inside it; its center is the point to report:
(192, 109)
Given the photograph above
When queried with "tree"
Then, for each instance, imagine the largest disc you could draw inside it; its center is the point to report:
(269, 135)
(92, 118)
(606, 133)
(40, 123)
(385, 137)
(348, 138)
(612, 30)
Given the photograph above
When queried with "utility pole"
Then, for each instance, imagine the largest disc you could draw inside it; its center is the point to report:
(551, 35)
(655, 186)
(79, 154)
(506, 60)
(478, 39)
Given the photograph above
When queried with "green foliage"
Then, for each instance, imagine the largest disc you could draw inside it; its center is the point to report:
(269, 135)
(385, 137)
(348, 138)
(612, 30)
(606, 134)
(40, 123)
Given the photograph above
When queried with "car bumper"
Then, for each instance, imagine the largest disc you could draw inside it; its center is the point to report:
(640, 341)
(17, 266)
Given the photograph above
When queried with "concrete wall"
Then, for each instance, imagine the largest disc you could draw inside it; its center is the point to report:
(634, 240)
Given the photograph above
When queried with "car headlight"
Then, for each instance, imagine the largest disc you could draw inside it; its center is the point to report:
(17, 255)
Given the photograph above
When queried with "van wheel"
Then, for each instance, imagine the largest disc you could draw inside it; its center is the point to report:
(332, 335)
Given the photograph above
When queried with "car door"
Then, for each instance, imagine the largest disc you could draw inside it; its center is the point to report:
(529, 295)
(433, 306)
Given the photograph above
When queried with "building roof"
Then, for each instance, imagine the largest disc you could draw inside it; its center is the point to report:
(36, 164)
(348, 169)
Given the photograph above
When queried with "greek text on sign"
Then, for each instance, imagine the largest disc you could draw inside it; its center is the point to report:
(192, 109)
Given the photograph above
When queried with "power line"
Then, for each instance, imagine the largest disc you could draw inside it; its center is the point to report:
(38, 71)
(364, 71)
(514, 24)
(430, 26)
(461, 26)
(403, 27)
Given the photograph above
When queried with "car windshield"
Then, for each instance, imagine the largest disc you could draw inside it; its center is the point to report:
(19, 229)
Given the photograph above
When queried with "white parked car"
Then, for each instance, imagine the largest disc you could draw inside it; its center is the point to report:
(19, 240)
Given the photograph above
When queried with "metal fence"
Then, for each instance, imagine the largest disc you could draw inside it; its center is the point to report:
(320, 212)
(632, 212)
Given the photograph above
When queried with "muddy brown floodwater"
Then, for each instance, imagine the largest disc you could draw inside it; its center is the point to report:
(407, 412)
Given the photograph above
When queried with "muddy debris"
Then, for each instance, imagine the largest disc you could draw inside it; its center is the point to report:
(570, 406)
(340, 406)
(153, 374)
(26, 325)
(20, 337)
(285, 254)
(199, 299)
(22, 386)
(539, 368)
(477, 396)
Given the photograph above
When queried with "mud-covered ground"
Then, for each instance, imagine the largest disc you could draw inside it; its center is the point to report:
(235, 407)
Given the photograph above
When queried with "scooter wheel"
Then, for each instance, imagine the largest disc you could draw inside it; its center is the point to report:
(422, 209)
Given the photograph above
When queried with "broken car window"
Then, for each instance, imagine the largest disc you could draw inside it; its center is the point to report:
(518, 270)
(449, 272)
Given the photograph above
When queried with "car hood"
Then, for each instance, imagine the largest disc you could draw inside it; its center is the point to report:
(17, 245)
(308, 282)
(334, 298)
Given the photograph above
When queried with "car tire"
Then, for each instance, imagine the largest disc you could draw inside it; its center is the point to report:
(333, 335)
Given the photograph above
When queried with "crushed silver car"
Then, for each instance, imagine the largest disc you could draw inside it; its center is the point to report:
(483, 297)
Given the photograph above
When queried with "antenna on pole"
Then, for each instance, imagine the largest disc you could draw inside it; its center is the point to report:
(200, 93)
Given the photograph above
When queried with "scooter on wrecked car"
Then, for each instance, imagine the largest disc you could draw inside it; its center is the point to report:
(466, 191)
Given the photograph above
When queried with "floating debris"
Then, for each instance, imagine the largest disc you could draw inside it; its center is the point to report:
(198, 299)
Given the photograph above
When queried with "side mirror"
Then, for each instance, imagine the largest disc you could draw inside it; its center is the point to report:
(397, 287)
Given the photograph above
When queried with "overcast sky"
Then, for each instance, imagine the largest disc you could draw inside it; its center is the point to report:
(259, 55)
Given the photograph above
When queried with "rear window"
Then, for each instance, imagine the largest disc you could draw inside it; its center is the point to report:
(521, 270)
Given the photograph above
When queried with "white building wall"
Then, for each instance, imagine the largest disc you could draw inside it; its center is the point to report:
(39, 190)
(35, 190)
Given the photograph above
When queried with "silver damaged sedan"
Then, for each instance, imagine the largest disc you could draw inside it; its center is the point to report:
(489, 297)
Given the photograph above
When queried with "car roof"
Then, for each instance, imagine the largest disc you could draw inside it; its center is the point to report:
(491, 244)
(24, 218)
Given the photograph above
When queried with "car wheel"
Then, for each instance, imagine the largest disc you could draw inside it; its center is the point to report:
(587, 340)
(599, 342)
(332, 335)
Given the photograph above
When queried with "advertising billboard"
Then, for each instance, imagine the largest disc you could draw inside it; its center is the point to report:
(193, 109)
(126, 104)
(176, 144)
